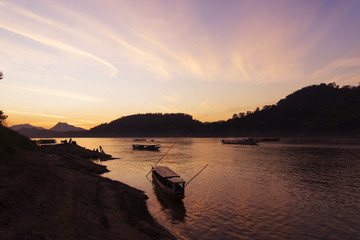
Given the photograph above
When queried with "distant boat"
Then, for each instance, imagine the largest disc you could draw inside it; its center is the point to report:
(152, 147)
(139, 139)
(269, 140)
(168, 181)
(246, 141)
(45, 141)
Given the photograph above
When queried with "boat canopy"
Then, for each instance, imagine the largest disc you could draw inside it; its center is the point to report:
(177, 180)
(165, 172)
(146, 145)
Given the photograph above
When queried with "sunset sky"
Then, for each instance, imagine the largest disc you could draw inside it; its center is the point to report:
(87, 62)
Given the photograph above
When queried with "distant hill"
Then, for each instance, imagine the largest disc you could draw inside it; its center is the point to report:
(150, 124)
(59, 130)
(21, 126)
(64, 127)
(323, 108)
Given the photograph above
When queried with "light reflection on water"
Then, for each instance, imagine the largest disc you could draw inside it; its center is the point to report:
(283, 190)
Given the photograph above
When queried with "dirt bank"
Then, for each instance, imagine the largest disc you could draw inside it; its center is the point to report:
(76, 150)
(51, 196)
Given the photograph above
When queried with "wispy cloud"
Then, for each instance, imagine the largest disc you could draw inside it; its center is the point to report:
(54, 92)
(174, 97)
(169, 109)
(345, 69)
(37, 114)
(21, 27)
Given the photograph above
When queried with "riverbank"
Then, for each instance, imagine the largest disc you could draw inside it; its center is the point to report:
(60, 196)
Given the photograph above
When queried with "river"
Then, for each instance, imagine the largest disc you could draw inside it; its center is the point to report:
(291, 189)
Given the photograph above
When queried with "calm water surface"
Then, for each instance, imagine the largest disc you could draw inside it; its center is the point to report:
(292, 189)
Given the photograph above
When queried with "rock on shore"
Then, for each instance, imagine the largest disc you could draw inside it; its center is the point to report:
(51, 196)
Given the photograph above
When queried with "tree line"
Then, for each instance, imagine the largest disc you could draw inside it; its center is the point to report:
(316, 108)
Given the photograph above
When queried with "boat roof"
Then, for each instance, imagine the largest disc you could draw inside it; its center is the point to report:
(165, 172)
(177, 180)
(147, 145)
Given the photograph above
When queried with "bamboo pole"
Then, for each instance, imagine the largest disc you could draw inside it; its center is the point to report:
(196, 175)
(161, 158)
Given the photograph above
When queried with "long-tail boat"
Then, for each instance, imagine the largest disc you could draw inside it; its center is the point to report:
(246, 141)
(150, 147)
(168, 181)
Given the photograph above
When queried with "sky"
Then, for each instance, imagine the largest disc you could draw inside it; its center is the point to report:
(88, 62)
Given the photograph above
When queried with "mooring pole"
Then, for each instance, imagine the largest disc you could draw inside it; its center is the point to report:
(196, 174)
(162, 158)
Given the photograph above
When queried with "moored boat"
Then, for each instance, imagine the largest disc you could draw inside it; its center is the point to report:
(151, 147)
(246, 141)
(45, 141)
(168, 181)
(269, 140)
(139, 139)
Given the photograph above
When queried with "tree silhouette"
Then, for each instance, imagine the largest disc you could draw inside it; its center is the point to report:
(324, 107)
(2, 117)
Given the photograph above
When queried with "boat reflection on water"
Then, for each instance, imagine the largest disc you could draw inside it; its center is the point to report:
(174, 207)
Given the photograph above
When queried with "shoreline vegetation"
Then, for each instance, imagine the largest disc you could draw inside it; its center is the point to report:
(55, 192)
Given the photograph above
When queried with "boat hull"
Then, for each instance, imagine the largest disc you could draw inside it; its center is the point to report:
(240, 142)
(168, 191)
(146, 147)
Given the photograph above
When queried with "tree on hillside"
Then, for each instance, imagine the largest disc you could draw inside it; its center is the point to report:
(323, 107)
(2, 117)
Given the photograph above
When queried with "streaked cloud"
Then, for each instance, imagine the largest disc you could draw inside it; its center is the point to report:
(54, 92)
(13, 25)
(169, 109)
(174, 97)
(37, 114)
(345, 69)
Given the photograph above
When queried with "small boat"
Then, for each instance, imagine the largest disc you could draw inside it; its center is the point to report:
(246, 141)
(45, 141)
(152, 147)
(269, 140)
(139, 139)
(168, 181)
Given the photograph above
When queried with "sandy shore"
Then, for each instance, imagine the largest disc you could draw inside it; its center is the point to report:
(60, 196)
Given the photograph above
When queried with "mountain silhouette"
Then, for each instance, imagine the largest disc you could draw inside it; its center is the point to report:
(64, 127)
(150, 124)
(21, 126)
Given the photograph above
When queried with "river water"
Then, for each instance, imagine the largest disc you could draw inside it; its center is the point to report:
(292, 189)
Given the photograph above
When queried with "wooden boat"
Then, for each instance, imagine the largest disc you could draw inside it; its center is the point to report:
(45, 141)
(152, 147)
(269, 140)
(246, 141)
(139, 139)
(168, 181)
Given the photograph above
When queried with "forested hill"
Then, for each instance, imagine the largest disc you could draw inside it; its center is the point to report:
(151, 124)
(323, 108)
